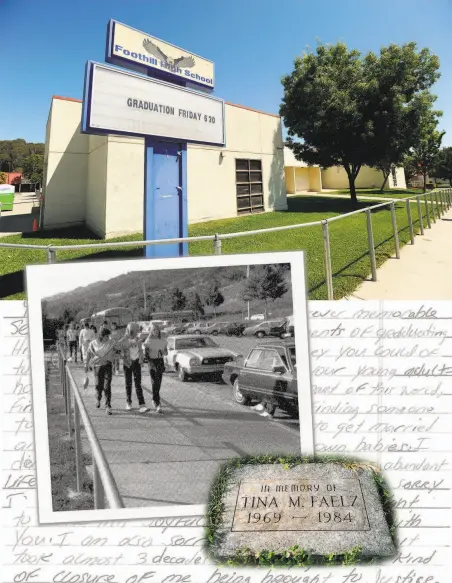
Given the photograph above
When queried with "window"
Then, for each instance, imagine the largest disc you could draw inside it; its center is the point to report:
(249, 186)
(270, 359)
(253, 359)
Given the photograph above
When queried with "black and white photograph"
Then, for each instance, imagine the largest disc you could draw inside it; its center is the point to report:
(150, 374)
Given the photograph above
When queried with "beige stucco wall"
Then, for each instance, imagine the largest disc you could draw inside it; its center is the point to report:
(302, 181)
(67, 166)
(211, 176)
(125, 186)
(289, 173)
(336, 178)
(400, 178)
(315, 178)
(100, 180)
(96, 188)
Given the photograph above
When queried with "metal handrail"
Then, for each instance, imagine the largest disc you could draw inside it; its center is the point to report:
(104, 484)
(441, 202)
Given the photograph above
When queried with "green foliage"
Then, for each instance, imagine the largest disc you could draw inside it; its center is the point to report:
(348, 237)
(13, 153)
(195, 304)
(444, 164)
(426, 154)
(178, 300)
(343, 109)
(266, 282)
(33, 167)
(212, 295)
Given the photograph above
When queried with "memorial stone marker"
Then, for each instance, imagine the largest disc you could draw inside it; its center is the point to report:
(322, 508)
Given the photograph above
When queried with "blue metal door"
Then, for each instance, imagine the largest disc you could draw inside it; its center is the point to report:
(165, 213)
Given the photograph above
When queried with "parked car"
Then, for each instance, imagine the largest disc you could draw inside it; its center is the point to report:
(197, 328)
(268, 372)
(255, 318)
(234, 329)
(174, 329)
(289, 328)
(266, 328)
(191, 355)
(217, 328)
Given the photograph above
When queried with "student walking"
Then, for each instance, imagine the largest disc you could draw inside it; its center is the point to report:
(132, 350)
(72, 341)
(154, 349)
(101, 353)
(86, 336)
(116, 335)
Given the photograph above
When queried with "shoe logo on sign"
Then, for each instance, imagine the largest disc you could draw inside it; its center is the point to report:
(153, 49)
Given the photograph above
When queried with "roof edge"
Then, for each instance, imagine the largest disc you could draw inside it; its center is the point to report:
(252, 109)
(66, 98)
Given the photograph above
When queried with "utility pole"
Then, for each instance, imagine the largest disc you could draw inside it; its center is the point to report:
(144, 293)
(247, 277)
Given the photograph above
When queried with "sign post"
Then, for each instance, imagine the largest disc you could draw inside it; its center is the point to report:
(166, 100)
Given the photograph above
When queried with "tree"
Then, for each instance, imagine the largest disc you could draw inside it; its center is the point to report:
(33, 167)
(13, 152)
(195, 304)
(343, 110)
(213, 296)
(178, 300)
(444, 167)
(426, 154)
(400, 77)
(266, 282)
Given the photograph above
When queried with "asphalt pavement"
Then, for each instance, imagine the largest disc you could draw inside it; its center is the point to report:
(158, 460)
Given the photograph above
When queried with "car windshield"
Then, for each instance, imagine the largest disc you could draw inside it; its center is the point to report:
(185, 343)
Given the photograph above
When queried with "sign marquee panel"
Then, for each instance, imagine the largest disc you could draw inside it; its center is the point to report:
(126, 45)
(121, 102)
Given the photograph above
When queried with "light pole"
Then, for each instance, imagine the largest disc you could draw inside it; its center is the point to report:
(144, 294)
(248, 302)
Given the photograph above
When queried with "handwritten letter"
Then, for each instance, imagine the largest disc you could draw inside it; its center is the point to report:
(382, 387)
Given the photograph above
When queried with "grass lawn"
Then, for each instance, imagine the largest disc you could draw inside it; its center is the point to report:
(62, 453)
(350, 261)
(371, 192)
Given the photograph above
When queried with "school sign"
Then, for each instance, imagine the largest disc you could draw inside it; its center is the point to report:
(127, 46)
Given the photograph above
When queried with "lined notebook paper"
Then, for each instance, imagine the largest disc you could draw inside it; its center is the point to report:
(382, 388)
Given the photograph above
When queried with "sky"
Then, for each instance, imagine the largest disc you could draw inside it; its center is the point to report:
(44, 45)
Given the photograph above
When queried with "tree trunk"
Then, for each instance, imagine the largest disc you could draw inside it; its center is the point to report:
(351, 182)
(386, 176)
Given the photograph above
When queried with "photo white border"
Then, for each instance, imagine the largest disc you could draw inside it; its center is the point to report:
(36, 273)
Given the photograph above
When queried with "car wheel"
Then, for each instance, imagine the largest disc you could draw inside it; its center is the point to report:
(214, 332)
(197, 331)
(182, 374)
(239, 397)
(260, 334)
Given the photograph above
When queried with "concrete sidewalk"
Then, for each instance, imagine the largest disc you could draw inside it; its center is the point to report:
(160, 460)
(423, 272)
(20, 219)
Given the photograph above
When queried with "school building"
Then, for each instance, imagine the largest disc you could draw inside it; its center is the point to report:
(301, 178)
(99, 180)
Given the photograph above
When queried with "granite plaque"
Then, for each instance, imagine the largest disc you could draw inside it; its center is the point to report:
(300, 505)
(322, 508)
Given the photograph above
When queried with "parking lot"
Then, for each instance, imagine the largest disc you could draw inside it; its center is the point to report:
(172, 458)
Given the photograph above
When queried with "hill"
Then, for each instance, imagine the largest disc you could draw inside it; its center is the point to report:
(129, 290)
